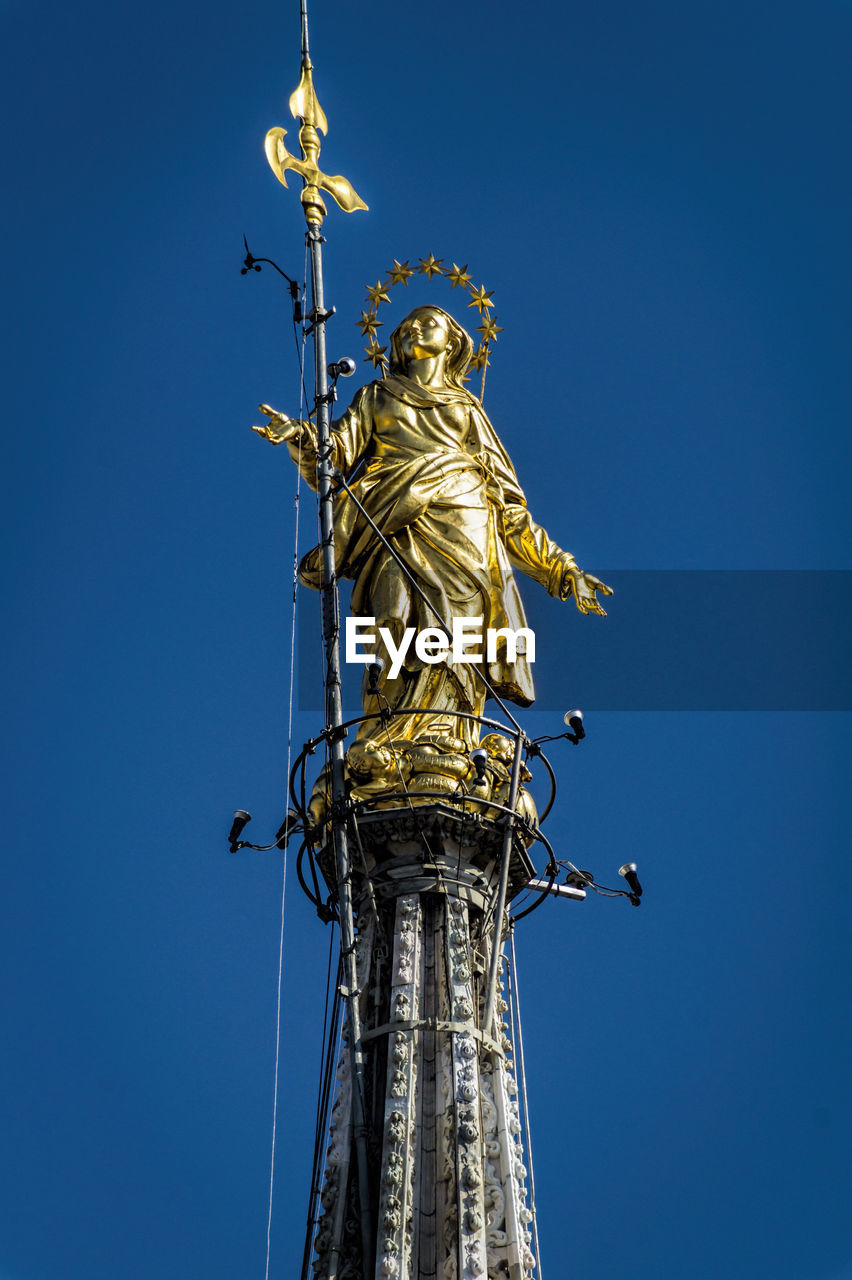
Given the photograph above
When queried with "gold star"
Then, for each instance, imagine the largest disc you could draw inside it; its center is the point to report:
(458, 275)
(489, 329)
(480, 357)
(481, 299)
(369, 323)
(431, 266)
(400, 273)
(378, 293)
(376, 353)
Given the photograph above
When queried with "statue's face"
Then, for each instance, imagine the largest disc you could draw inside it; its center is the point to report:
(423, 334)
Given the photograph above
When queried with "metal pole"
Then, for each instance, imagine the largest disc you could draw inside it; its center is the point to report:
(303, 15)
(334, 706)
(304, 105)
(334, 718)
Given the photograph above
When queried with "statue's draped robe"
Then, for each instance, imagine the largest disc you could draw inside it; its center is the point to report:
(434, 477)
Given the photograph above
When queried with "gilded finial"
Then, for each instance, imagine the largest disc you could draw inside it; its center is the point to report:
(304, 106)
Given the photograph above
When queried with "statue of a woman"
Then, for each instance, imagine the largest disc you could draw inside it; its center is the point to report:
(434, 477)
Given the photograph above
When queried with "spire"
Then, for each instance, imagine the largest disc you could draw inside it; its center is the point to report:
(423, 830)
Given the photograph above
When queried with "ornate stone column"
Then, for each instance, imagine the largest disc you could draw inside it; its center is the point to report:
(448, 1192)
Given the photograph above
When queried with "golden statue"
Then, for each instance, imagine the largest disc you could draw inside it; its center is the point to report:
(433, 476)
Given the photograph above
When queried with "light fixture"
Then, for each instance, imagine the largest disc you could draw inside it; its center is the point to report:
(629, 873)
(479, 760)
(374, 674)
(289, 827)
(574, 721)
(241, 817)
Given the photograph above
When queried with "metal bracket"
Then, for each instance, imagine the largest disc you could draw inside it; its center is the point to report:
(316, 317)
(431, 1024)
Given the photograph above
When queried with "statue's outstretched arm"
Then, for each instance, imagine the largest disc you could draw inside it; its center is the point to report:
(534, 553)
(582, 586)
(350, 436)
(299, 436)
(280, 427)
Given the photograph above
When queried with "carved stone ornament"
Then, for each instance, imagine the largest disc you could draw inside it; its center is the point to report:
(336, 1241)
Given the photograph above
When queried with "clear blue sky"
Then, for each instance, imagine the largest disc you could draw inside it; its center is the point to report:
(660, 197)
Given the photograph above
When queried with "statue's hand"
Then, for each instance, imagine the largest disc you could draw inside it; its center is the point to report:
(279, 427)
(583, 587)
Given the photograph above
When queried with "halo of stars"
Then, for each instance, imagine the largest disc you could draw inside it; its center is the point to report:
(430, 266)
